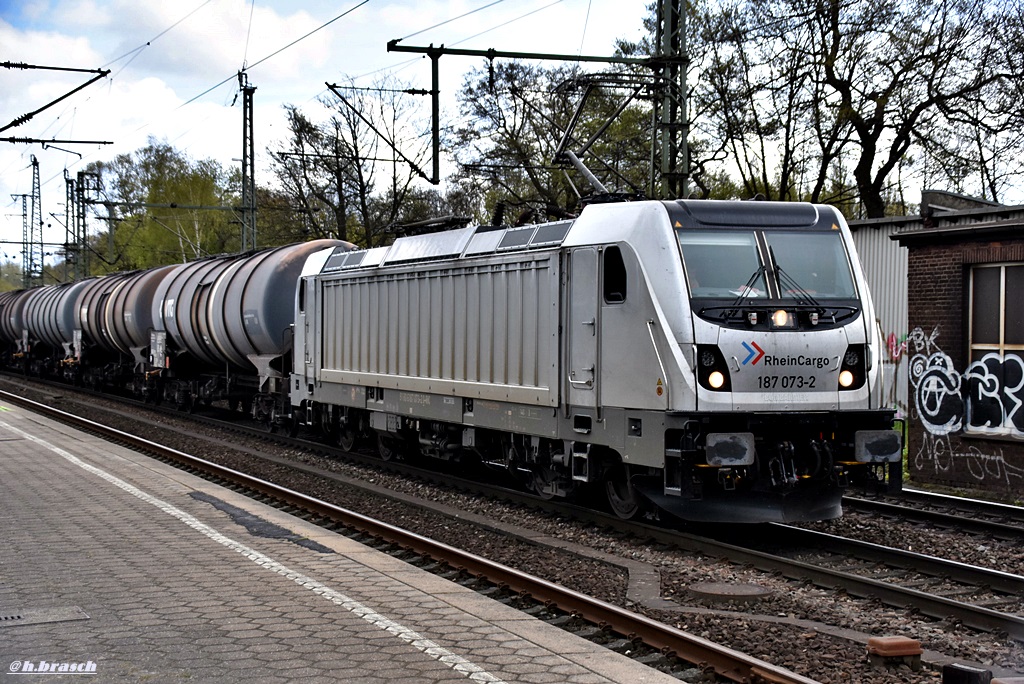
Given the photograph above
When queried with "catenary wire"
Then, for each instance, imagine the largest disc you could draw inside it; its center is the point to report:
(276, 52)
(448, 21)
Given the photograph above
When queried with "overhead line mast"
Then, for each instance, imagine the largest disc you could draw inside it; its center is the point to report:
(32, 232)
(248, 209)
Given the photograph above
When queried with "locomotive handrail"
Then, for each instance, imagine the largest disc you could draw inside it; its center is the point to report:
(585, 383)
(661, 364)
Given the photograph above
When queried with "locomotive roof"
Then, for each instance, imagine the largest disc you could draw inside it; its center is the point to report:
(450, 244)
(480, 240)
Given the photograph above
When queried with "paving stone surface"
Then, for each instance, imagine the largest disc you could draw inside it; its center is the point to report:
(176, 590)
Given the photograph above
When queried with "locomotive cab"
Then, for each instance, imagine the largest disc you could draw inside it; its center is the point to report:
(785, 345)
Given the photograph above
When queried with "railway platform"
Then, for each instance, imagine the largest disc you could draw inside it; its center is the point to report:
(121, 567)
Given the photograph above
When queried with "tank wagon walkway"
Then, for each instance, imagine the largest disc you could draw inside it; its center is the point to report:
(115, 565)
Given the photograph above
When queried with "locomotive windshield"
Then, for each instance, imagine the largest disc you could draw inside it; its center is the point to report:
(729, 264)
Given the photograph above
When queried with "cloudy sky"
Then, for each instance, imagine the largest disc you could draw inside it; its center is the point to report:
(173, 70)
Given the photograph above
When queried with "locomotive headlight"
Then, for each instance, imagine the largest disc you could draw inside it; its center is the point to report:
(851, 371)
(782, 319)
(712, 371)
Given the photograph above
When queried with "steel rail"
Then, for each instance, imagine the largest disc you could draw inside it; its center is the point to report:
(967, 524)
(726, 662)
(997, 580)
(929, 604)
(966, 503)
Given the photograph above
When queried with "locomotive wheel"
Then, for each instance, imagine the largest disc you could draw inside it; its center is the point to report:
(386, 447)
(347, 439)
(542, 477)
(623, 499)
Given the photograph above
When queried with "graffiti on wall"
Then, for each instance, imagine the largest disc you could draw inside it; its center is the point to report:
(897, 347)
(939, 453)
(935, 383)
(988, 398)
(995, 391)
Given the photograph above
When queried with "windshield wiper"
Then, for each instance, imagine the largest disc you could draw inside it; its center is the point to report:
(789, 285)
(746, 292)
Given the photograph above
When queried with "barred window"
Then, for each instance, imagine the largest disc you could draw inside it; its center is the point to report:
(995, 377)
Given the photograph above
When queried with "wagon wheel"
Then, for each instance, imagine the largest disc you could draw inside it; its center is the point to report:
(272, 424)
(623, 499)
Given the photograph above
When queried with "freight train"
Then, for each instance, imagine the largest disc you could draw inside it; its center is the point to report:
(716, 360)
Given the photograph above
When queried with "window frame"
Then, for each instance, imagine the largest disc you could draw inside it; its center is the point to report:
(978, 350)
(1001, 346)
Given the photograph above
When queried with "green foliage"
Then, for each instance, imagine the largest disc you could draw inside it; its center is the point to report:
(162, 207)
(10, 276)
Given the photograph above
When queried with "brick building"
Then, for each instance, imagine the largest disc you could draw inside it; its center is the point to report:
(963, 352)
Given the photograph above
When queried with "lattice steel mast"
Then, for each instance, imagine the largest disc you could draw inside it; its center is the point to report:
(248, 209)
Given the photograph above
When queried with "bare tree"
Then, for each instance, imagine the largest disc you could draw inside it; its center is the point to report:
(800, 91)
(336, 171)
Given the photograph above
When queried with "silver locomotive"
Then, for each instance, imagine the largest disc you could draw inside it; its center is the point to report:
(719, 360)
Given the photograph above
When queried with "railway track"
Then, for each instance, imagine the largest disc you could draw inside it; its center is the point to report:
(630, 627)
(998, 520)
(976, 597)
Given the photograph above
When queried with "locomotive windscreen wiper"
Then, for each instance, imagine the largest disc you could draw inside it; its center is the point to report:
(788, 285)
(747, 290)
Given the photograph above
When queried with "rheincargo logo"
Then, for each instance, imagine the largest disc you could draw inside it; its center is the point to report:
(754, 353)
(813, 361)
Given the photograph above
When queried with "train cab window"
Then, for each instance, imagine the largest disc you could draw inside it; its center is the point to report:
(722, 263)
(614, 276)
(302, 296)
(815, 262)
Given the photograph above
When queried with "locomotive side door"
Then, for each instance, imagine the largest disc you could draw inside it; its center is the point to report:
(582, 325)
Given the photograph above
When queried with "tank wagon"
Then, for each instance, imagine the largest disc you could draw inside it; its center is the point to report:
(12, 323)
(216, 328)
(719, 359)
(222, 328)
